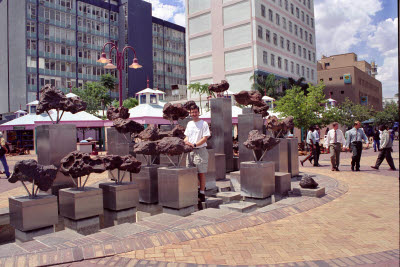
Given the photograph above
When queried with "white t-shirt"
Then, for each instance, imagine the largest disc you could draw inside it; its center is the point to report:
(197, 130)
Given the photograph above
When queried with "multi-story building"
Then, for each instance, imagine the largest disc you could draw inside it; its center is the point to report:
(233, 40)
(59, 41)
(346, 77)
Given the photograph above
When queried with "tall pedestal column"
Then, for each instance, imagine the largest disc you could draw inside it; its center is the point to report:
(117, 144)
(246, 123)
(221, 125)
(279, 155)
(293, 156)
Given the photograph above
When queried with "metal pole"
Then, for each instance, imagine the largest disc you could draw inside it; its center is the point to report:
(119, 67)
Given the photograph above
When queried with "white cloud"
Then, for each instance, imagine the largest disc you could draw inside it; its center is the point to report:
(384, 37)
(341, 24)
(180, 19)
(162, 11)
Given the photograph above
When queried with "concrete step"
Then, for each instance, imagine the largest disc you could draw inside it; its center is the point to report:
(243, 207)
(163, 218)
(228, 197)
(213, 213)
(213, 202)
(58, 237)
(125, 229)
(234, 177)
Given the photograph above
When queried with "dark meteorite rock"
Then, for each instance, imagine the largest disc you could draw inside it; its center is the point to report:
(78, 164)
(263, 110)
(29, 170)
(52, 98)
(146, 148)
(177, 131)
(272, 123)
(174, 112)
(117, 113)
(249, 98)
(130, 164)
(112, 162)
(127, 126)
(259, 141)
(188, 105)
(279, 127)
(308, 182)
(173, 146)
(149, 134)
(219, 87)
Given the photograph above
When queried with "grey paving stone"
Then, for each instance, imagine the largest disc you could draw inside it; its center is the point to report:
(213, 202)
(213, 213)
(125, 229)
(163, 218)
(10, 249)
(58, 237)
(229, 196)
(243, 207)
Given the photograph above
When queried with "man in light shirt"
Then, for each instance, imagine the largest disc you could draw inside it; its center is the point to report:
(311, 146)
(317, 147)
(354, 142)
(386, 150)
(333, 142)
(197, 133)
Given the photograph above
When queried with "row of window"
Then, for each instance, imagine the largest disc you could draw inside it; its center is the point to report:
(306, 3)
(92, 39)
(292, 27)
(168, 31)
(168, 56)
(278, 61)
(63, 3)
(169, 44)
(97, 11)
(288, 45)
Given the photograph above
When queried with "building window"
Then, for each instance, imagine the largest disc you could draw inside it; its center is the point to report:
(312, 74)
(341, 77)
(277, 18)
(270, 15)
(275, 39)
(312, 23)
(297, 12)
(308, 4)
(263, 11)
(301, 33)
(272, 60)
(306, 35)
(280, 3)
(311, 41)
(284, 22)
(308, 20)
(294, 48)
(288, 45)
(280, 62)
(260, 32)
(286, 5)
(309, 55)
(297, 69)
(265, 57)
(295, 29)
(308, 73)
(286, 65)
(331, 93)
(292, 9)
(267, 35)
(304, 53)
(299, 47)
(330, 78)
(282, 42)
(302, 71)
(342, 92)
(321, 80)
(291, 67)
(290, 27)
(327, 64)
(302, 16)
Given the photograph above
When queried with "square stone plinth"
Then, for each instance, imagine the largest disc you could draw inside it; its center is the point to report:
(317, 192)
(243, 207)
(147, 180)
(211, 172)
(30, 214)
(257, 179)
(282, 183)
(279, 155)
(293, 156)
(86, 226)
(235, 180)
(220, 171)
(113, 217)
(229, 196)
(120, 196)
(78, 204)
(186, 211)
(177, 187)
(260, 202)
(145, 210)
(25, 236)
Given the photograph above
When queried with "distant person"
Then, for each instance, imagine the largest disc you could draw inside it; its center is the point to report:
(386, 150)
(376, 140)
(327, 130)
(317, 147)
(354, 142)
(197, 132)
(333, 142)
(310, 140)
(3, 152)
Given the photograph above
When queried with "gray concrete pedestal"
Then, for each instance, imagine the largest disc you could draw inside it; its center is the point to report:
(85, 226)
(116, 217)
(247, 122)
(279, 155)
(117, 144)
(293, 157)
(257, 179)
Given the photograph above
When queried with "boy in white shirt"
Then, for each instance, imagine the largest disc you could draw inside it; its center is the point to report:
(334, 141)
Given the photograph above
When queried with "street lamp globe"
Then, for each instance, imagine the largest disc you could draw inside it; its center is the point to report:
(110, 66)
(103, 58)
(135, 64)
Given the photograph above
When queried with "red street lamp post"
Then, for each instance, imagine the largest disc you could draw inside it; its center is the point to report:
(120, 63)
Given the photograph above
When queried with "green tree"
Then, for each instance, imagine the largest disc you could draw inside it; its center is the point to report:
(268, 85)
(307, 109)
(388, 115)
(200, 89)
(95, 95)
(108, 81)
(128, 103)
(350, 112)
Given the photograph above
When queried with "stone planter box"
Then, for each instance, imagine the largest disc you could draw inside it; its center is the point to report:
(78, 204)
(279, 155)
(119, 196)
(30, 214)
(257, 179)
(177, 187)
(147, 180)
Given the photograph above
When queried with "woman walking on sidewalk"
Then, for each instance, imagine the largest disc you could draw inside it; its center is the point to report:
(386, 150)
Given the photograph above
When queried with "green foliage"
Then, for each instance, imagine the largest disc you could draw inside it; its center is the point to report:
(307, 109)
(127, 103)
(388, 115)
(350, 112)
(200, 89)
(268, 85)
(108, 81)
(95, 95)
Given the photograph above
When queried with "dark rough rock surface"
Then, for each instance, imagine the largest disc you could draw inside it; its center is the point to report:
(112, 162)
(52, 98)
(177, 131)
(78, 164)
(174, 112)
(130, 164)
(29, 170)
(127, 126)
(259, 141)
(173, 146)
(249, 98)
(146, 148)
(279, 127)
(219, 87)
(272, 123)
(263, 110)
(149, 134)
(188, 105)
(308, 182)
(117, 113)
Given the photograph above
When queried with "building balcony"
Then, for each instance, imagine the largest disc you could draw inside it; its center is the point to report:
(56, 40)
(91, 46)
(93, 17)
(174, 63)
(88, 77)
(31, 70)
(57, 23)
(32, 88)
(31, 52)
(57, 56)
(175, 75)
(158, 59)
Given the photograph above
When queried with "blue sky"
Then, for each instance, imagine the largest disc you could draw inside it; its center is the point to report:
(367, 27)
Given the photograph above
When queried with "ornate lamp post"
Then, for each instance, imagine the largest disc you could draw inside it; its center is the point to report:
(120, 66)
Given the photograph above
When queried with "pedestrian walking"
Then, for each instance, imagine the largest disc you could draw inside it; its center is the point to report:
(334, 142)
(317, 147)
(386, 150)
(197, 133)
(310, 140)
(3, 152)
(376, 140)
(354, 142)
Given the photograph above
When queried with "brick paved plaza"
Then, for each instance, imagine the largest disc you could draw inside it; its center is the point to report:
(355, 223)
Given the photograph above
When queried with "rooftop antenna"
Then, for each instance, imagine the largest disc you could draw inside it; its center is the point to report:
(148, 86)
